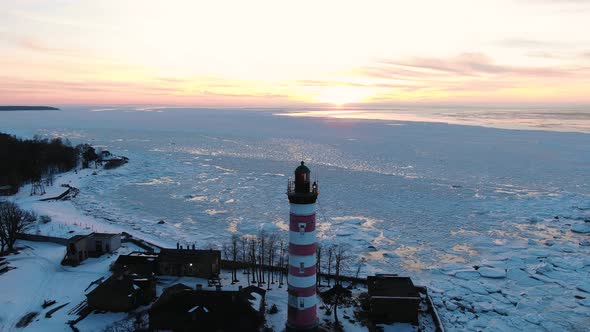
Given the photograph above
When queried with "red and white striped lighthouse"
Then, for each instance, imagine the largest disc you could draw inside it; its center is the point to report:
(302, 313)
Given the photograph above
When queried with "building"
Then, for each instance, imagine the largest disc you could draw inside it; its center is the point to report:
(80, 247)
(189, 262)
(392, 299)
(302, 310)
(181, 308)
(122, 293)
(139, 263)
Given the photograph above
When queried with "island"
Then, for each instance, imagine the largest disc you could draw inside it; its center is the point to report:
(28, 108)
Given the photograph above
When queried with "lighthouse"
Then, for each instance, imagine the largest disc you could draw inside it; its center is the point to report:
(302, 312)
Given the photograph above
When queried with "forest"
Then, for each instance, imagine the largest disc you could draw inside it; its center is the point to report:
(37, 160)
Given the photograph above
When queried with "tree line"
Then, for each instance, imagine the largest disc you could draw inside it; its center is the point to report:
(37, 160)
(263, 258)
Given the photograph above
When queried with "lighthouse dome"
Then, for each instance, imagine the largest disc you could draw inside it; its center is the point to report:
(301, 169)
(300, 190)
(302, 178)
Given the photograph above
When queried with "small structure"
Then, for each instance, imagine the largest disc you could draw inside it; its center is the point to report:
(140, 263)
(393, 299)
(80, 247)
(189, 262)
(122, 293)
(181, 308)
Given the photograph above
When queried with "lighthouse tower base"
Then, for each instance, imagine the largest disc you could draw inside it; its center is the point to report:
(312, 328)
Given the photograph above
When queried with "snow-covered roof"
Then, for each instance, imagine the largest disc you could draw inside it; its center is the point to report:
(256, 302)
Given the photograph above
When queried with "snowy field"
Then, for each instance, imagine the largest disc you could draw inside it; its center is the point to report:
(495, 222)
(39, 276)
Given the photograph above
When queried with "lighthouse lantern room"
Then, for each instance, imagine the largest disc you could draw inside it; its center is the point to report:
(302, 311)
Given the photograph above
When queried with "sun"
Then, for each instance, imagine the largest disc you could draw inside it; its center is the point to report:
(341, 95)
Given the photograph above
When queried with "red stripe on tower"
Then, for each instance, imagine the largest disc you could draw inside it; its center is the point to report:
(302, 250)
(302, 311)
(302, 317)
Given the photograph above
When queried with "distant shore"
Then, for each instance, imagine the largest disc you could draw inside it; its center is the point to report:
(28, 108)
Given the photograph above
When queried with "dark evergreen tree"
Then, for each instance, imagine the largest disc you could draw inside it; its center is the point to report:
(28, 161)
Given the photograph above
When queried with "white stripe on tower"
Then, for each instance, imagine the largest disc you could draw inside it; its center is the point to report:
(302, 238)
(302, 282)
(302, 209)
(308, 302)
(306, 260)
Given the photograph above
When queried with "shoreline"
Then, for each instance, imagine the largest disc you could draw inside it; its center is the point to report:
(67, 218)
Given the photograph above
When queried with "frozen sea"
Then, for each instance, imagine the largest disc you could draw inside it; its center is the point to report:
(426, 199)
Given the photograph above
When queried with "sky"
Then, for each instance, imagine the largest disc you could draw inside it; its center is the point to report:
(279, 53)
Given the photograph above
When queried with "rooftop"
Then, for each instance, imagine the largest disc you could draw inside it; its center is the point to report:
(188, 255)
(391, 286)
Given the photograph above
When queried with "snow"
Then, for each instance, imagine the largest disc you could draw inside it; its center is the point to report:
(489, 272)
(39, 276)
(581, 228)
(434, 200)
(256, 301)
(584, 286)
(197, 307)
(397, 327)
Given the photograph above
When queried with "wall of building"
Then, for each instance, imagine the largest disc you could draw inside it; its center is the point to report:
(107, 244)
(42, 238)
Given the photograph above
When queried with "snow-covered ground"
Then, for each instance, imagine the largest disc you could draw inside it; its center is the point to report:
(436, 201)
(39, 276)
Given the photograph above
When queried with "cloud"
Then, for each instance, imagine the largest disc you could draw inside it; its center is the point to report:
(528, 43)
(34, 44)
(47, 86)
(62, 21)
(469, 76)
(582, 2)
(466, 65)
(172, 80)
(548, 55)
(332, 83)
(20, 90)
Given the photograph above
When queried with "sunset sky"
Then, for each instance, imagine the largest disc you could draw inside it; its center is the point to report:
(277, 53)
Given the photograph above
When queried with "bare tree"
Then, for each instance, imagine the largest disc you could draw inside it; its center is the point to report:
(281, 261)
(361, 262)
(244, 252)
(234, 248)
(341, 260)
(50, 175)
(335, 297)
(359, 266)
(318, 267)
(271, 248)
(262, 241)
(225, 251)
(13, 220)
(330, 261)
(252, 257)
(3, 234)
